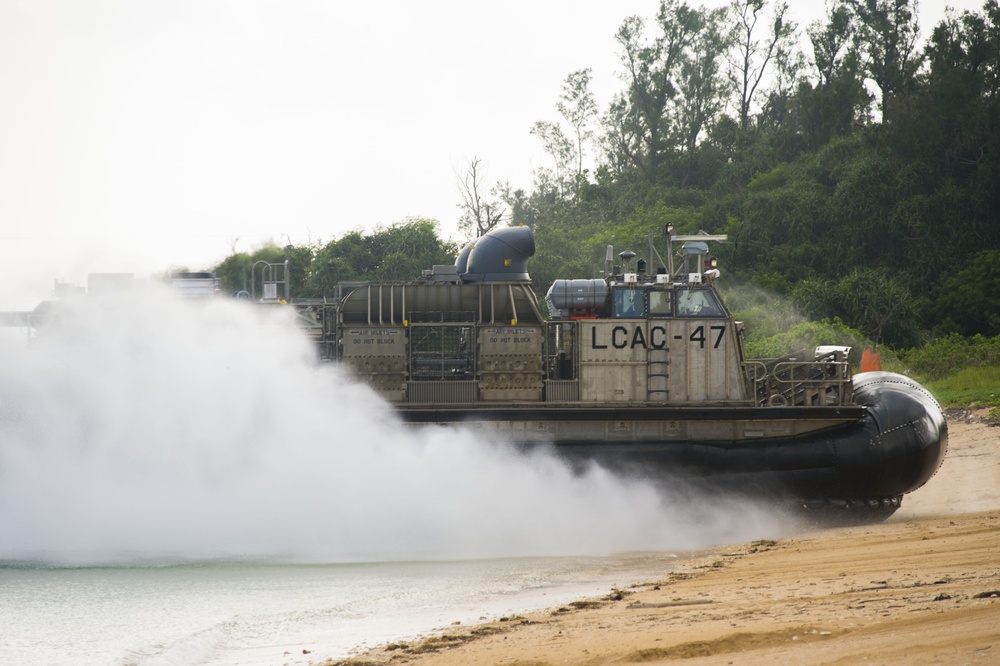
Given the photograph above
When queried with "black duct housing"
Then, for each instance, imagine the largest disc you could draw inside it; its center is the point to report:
(498, 256)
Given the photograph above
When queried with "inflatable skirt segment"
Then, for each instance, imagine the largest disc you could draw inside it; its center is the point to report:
(894, 448)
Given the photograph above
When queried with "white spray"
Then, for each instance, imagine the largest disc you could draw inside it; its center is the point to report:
(150, 428)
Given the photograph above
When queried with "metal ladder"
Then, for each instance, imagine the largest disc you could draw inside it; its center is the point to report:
(657, 373)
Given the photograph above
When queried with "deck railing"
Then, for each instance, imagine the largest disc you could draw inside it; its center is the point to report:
(823, 381)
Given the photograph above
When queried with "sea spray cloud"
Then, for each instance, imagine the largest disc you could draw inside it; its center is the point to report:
(145, 427)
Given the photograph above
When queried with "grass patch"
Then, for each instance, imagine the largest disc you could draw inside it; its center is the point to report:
(944, 357)
(969, 387)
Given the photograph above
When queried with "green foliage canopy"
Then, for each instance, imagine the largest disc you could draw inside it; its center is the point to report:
(886, 217)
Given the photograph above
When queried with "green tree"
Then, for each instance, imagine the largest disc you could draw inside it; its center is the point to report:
(886, 35)
(561, 149)
(522, 209)
(650, 70)
(701, 82)
(395, 253)
(969, 301)
(956, 114)
(620, 139)
(242, 271)
(869, 299)
(578, 108)
(831, 43)
(838, 100)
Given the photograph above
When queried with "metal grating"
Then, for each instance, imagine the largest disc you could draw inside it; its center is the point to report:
(562, 391)
(442, 353)
(447, 391)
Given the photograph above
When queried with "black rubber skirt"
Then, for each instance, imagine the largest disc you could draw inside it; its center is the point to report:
(892, 449)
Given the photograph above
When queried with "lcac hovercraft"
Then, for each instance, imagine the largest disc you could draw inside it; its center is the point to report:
(642, 372)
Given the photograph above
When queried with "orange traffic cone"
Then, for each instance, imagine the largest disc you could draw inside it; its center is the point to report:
(871, 361)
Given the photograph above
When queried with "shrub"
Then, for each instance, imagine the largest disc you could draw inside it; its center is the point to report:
(946, 356)
(807, 335)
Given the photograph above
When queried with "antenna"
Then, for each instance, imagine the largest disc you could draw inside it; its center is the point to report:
(700, 237)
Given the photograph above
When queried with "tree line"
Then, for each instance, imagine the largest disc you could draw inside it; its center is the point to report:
(853, 166)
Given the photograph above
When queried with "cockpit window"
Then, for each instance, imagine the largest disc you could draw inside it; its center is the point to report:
(627, 302)
(698, 303)
(659, 303)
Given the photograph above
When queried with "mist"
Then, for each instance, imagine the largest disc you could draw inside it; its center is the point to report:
(147, 428)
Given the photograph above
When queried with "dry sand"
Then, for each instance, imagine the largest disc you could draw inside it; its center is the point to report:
(922, 588)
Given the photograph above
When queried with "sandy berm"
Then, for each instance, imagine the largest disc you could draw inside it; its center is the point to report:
(921, 588)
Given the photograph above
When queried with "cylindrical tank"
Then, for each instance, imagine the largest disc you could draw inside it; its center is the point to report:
(578, 294)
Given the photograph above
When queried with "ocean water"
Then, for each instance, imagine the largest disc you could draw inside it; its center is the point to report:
(258, 614)
(183, 483)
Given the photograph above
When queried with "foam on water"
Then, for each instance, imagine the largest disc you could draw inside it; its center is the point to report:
(146, 428)
(253, 614)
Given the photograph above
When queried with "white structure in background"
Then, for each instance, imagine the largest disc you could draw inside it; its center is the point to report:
(196, 285)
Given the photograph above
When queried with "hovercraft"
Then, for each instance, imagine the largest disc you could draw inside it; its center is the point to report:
(643, 372)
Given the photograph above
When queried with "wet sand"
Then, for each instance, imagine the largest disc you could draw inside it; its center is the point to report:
(921, 588)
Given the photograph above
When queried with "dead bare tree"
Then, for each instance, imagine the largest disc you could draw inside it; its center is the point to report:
(755, 51)
(480, 212)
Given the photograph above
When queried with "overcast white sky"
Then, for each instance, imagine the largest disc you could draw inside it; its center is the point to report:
(139, 136)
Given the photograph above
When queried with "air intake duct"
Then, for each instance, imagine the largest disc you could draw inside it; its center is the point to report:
(498, 256)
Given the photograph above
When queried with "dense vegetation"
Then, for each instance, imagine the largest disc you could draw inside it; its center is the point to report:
(853, 165)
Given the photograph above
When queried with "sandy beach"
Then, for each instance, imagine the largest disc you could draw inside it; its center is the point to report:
(921, 588)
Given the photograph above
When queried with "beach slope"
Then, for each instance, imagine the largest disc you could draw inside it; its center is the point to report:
(922, 588)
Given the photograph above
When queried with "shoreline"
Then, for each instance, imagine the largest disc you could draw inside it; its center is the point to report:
(923, 587)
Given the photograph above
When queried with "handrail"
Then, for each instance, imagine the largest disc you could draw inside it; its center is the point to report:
(785, 382)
